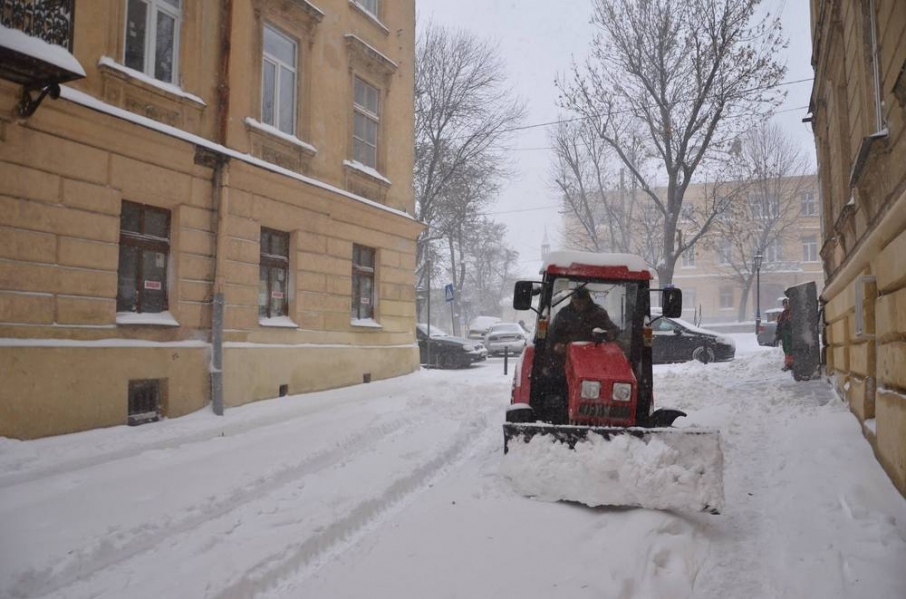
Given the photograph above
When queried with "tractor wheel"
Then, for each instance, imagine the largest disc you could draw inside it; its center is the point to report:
(703, 354)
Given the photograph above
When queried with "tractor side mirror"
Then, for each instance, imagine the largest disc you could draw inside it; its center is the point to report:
(672, 302)
(522, 295)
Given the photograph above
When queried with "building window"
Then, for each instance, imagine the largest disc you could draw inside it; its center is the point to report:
(369, 5)
(689, 300)
(152, 38)
(808, 207)
(278, 81)
(144, 401)
(688, 258)
(273, 274)
(366, 117)
(144, 253)
(362, 282)
(809, 249)
(726, 298)
(773, 252)
(764, 207)
(724, 251)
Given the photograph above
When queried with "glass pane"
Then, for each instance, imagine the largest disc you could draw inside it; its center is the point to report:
(173, 3)
(372, 99)
(371, 132)
(279, 246)
(154, 281)
(279, 46)
(136, 25)
(369, 156)
(367, 257)
(127, 273)
(366, 309)
(262, 292)
(131, 217)
(287, 101)
(157, 224)
(359, 93)
(268, 94)
(164, 47)
(278, 291)
(358, 125)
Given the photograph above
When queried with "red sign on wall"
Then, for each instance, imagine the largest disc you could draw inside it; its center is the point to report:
(153, 285)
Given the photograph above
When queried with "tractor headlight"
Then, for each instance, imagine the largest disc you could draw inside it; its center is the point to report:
(622, 391)
(591, 389)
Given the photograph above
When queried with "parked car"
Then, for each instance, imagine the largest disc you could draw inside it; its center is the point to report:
(505, 336)
(768, 327)
(676, 340)
(447, 351)
(480, 325)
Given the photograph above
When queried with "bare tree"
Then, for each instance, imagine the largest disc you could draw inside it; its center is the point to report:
(685, 78)
(776, 170)
(463, 112)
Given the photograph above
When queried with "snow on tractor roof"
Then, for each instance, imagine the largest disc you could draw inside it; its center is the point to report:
(564, 259)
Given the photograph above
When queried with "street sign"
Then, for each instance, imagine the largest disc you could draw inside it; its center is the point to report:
(448, 292)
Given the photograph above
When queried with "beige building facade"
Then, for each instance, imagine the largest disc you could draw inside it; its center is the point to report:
(719, 272)
(218, 212)
(858, 115)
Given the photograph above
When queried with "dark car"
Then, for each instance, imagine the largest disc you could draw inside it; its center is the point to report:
(676, 340)
(447, 351)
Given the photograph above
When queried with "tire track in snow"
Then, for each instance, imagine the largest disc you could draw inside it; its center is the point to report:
(85, 563)
(297, 561)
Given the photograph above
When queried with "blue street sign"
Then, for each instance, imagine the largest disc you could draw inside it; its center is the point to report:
(448, 292)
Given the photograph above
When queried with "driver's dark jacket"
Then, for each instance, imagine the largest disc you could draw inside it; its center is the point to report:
(571, 325)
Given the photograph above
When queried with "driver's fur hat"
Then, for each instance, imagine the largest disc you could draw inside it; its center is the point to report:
(581, 293)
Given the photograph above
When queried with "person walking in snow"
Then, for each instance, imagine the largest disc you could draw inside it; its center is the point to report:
(784, 334)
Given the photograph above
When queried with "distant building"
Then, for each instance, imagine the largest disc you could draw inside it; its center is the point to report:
(718, 276)
(858, 115)
(219, 211)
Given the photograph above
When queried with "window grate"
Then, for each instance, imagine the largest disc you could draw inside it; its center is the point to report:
(144, 401)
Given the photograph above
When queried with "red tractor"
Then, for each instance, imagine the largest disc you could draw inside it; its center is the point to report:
(581, 394)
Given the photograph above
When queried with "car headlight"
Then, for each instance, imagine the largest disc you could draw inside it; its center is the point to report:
(590, 389)
(468, 348)
(622, 391)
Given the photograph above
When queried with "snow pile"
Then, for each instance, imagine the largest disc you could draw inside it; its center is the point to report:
(666, 469)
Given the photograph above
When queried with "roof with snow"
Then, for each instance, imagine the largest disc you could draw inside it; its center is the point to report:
(565, 259)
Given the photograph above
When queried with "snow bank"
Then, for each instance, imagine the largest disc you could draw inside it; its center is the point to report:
(666, 469)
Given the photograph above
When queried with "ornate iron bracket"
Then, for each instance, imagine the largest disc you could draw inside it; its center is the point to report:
(28, 105)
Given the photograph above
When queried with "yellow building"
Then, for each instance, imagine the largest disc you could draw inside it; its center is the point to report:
(719, 272)
(858, 108)
(219, 211)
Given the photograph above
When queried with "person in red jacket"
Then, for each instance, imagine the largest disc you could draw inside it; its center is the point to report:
(784, 334)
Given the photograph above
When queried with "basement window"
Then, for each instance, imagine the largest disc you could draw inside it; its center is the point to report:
(144, 401)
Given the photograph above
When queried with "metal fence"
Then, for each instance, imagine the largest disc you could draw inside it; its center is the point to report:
(50, 20)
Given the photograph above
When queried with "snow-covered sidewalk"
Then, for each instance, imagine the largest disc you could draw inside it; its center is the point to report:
(392, 489)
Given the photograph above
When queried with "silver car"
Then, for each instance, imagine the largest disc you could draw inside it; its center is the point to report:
(505, 337)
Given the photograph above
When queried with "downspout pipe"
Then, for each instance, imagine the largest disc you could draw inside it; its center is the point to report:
(220, 201)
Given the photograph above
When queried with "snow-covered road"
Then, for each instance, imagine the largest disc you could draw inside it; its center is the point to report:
(391, 490)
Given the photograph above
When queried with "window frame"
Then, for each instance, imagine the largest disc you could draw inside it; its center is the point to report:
(687, 258)
(773, 251)
(725, 293)
(810, 255)
(278, 64)
(364, 5)
(363, 271)
(371, 117)
(807, 198)
(152, 8)
(724, 252)
(269, 261)
(144, 242)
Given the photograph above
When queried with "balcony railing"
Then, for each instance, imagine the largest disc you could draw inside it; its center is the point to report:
(49, 20)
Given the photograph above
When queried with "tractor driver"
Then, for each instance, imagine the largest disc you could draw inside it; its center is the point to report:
(576, 321)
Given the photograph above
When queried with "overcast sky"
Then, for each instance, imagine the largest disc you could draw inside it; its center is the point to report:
(537, 40)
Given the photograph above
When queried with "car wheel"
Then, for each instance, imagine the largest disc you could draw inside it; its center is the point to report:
(703, 354)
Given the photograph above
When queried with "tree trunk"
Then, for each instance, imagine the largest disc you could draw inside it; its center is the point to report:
(744, 300)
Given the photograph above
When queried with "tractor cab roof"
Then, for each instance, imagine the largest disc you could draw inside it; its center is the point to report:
(597, 265)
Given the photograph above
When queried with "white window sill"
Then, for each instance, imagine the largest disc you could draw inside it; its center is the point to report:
(366, 170)
(280, 322)
(274, 132)
(369, 323)
(155, 319)
(169, 88)
(368, 15)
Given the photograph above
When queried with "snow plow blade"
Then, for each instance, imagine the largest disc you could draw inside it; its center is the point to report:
(658, 468)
